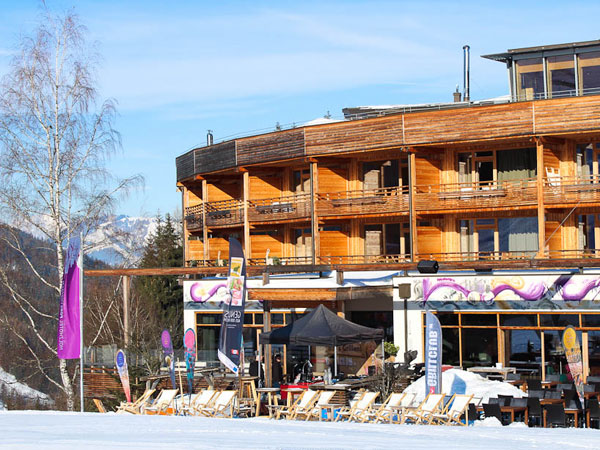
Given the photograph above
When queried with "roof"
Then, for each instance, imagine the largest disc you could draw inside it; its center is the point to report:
(509, 54)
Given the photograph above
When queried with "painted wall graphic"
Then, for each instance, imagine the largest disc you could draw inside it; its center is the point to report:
(531, 291)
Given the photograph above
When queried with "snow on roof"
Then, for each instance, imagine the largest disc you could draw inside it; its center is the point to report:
(321, 121)
(14, 388)
(456, 381)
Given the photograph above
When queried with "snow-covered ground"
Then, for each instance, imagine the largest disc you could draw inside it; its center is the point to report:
(11, 387)
(59, 430)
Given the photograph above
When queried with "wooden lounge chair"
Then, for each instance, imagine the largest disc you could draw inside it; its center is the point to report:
(303, 405)
(223, 405)
(137, 406)
(323, 400)
(389, 408)
(200, 401)
(163, 404)
(360, 410)
(454, 411)
(424, 413)
(100, 405)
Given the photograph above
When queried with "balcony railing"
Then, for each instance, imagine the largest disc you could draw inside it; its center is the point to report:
(193, 217)
(281, 208)
(366, 201)
(225, 213)
(567, 190)
(476, 195)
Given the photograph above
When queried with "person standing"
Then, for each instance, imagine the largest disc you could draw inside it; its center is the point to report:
(277, 371)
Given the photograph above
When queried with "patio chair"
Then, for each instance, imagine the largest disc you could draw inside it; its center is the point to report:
(565, 386)
(388, 409)
(223, 405)
(593, 379)
(360, 410)
(553, 377)
(137, 406)
(493, 410)
(555, 416)
(504, 399)
(454, 411)
(513, 376)
(424, 412)
(302, 405)
(552, 394)
(323, 400)
(539, 394)
(534, 411)
(593, 412)
(99, 405)
(204, 399)
(518, 402)
(534, 384)
(163, 404)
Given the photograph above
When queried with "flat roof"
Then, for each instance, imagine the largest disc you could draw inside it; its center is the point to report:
(517, 51)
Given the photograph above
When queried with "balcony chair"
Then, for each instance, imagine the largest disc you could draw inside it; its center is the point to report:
(555, 416)
(534, 411)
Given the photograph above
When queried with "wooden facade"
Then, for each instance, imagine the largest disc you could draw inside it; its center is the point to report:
(351, 192)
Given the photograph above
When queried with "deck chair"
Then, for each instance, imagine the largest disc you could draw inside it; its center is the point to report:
(137, 406)
(200, 401)
(163, 404)
(359, 412)
(323, 400)
(454, 411)
(389, 409)
(301, 406)
(425, 411)
(100, 405)
(223, 405)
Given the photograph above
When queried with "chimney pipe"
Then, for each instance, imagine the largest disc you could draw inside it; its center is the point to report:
(467, 95)
(209, 138)
(457, 95)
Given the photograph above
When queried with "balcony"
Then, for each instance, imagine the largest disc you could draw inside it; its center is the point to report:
(295, 206)
(225, 213)
(193, 218)
(363, 202)
(476, 195)
(571, 190)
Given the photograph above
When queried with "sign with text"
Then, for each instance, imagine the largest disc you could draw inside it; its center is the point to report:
(433, 354)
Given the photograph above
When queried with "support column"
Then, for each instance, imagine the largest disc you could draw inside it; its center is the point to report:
(205, 247)
(411, 205)
(268, 356)
(126, 292)
(314, 219)
(245, 198)
(540, 199)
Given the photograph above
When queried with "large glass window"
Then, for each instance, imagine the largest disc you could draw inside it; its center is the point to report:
(523, 349)
(589, 73)
(480, 346)
(530, 79)
(561, 73)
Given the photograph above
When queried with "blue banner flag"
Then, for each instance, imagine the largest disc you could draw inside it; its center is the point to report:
(433, 354)
(230, 341)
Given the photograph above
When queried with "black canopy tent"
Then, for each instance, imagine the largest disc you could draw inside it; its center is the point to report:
(321, 327)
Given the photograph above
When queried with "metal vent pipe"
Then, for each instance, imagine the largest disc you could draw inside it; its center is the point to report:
(467, 95)
(209, 138)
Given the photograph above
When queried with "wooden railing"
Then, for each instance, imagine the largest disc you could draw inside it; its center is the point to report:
(476, 195)
(281, 208)
(225, 213)
(569, 190)
(193, 217)
(477, 256)
(365, 201)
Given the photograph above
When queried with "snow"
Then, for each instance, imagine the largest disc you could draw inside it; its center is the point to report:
(60, 430)
(321, 121)
(11, 387)
(456, 381)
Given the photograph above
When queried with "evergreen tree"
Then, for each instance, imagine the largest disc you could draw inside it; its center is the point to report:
(163, 293)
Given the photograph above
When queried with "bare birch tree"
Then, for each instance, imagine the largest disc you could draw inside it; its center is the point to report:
(55, 139)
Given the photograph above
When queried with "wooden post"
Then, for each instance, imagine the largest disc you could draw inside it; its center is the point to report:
(314, 219)
(411, 205)
(341, 308)
(245, 195)
(267, 353)
(126, 292)
(585, 355)
(205, 248)
(540, 198)
(543, 351)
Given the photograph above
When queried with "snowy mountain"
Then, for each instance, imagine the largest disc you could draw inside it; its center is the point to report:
(10, 387)
(120, 240)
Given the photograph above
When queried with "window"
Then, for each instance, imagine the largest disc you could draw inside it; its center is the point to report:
(589, 73)
(561, 75)
(530, 79)
(485, 238)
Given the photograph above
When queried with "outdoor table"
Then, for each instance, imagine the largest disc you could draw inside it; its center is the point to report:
(521, 384)
(549, 384)
(512, 410)
(292, 393)
(502, 371)
(329, 408)
(271, 398)
(550, 401)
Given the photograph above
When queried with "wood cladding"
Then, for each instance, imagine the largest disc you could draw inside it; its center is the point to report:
(271, 147)
(448, 127)
(185, 165)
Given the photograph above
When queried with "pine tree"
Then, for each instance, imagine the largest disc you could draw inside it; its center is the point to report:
(163, 293)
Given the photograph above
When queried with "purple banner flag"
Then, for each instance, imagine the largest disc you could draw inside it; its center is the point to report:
(168, 355)
(68, 341)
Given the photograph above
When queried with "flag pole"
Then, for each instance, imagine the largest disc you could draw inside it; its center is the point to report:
(80, 264)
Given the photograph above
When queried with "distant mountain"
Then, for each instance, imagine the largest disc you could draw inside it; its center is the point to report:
(121, 239)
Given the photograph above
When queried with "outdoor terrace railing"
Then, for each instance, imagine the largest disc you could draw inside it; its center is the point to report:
(366, 201)
(477, 256)
(569, 190)
(476, 195)
(294, 206)
(193, 217)
(225, 213)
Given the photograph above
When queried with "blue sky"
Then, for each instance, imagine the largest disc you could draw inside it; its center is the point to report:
(179, 68)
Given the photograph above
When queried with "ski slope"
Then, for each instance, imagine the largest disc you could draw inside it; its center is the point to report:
(61, 430)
